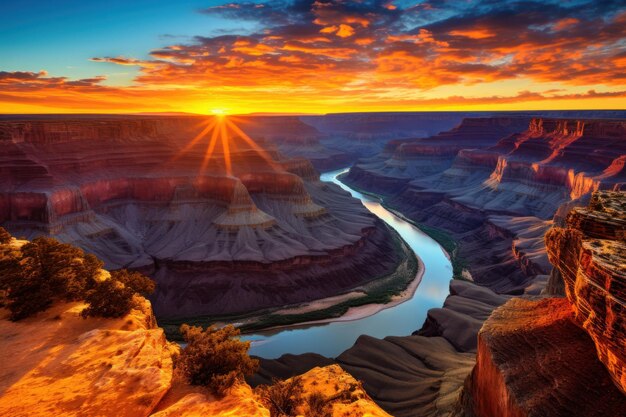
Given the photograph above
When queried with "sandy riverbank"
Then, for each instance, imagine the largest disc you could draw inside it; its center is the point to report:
(353, 313)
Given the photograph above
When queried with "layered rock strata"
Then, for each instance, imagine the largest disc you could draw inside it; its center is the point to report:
(526, 347)
(499, 192)
(223, 223)
(590, 255)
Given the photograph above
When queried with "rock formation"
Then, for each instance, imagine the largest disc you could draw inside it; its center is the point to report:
(499, 189)
(59, 364)
(223, 224)
(534, 361)
(590, 254)
(527, 347)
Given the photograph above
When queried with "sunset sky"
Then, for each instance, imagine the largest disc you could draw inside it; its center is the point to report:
(120, 56)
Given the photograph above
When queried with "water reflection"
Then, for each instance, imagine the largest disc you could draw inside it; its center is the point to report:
(333, 338)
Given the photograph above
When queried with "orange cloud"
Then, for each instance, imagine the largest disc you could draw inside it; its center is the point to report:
(474, 33)
(336, 55)
(345, 31)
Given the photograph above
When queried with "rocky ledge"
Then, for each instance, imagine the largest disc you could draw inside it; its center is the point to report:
(533, 360)
(590, 255)
(60, 364)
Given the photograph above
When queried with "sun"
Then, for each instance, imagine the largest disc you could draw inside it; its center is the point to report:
(219, 112)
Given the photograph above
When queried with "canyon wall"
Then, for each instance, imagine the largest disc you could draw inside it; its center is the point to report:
(224, 222)
(590, 254)
(495, 185)
(526, 347)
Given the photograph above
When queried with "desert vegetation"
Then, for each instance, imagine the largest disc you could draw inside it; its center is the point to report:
(291, 398)
(214, 357)
(35, 275)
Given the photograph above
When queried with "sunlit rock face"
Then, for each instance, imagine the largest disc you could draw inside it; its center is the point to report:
(60, 364)
(526, 348)
(57, 363)
(221, 220)
(590, 254)
(533, 360)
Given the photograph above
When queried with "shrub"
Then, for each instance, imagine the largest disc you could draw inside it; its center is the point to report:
(282, 398)
(113, 297)
(214, 357)
(34, 276)
(5, 237)
(43, 271)
(108, 298)
(136, 281)
(319, 406)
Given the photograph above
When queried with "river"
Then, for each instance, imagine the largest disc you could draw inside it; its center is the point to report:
(330, 339)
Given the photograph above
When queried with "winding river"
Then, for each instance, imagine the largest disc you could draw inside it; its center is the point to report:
(330, 339)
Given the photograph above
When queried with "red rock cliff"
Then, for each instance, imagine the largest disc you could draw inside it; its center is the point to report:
(590, 254)
(564, 356)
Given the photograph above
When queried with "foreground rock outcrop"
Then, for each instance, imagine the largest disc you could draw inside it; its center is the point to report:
(590, 254)
(60, 364)
(533, 360)
(57, 363)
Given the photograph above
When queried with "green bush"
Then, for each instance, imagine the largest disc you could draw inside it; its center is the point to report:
(113, 297)
(214, 357)
(45, 270)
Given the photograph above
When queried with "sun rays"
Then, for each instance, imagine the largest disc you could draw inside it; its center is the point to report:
(222, 135)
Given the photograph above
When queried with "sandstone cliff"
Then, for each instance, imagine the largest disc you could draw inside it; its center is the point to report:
(590, 254)
(526, 348)
(533, 360)
(59, 364)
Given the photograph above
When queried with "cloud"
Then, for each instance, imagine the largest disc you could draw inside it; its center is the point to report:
(25, 80)
(578, 45)
(337, 51)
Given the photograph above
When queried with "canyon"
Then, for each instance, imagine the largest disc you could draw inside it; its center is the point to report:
(530, 207)
(491, 206)
(224, 225)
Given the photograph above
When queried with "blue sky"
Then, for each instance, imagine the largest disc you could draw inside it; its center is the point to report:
(61, 36)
